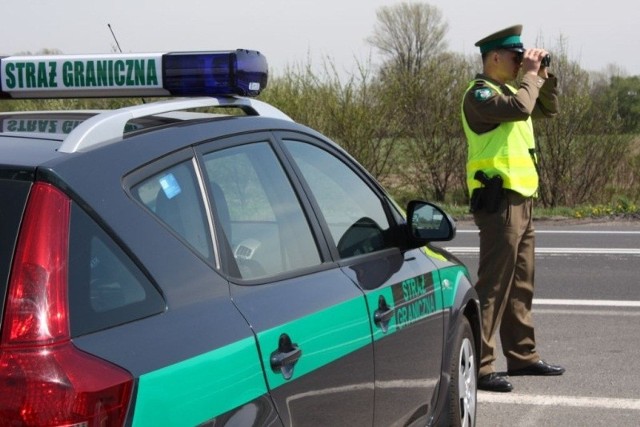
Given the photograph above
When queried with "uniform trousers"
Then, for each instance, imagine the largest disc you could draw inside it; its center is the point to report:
(505, 282)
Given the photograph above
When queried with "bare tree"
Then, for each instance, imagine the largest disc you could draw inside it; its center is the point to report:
(424, 84)
(408, 34)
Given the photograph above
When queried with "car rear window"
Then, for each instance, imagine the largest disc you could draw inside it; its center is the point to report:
(174, 197)
(13, 197)
(106, 288)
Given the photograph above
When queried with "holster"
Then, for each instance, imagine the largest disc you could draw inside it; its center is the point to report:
(489, 196)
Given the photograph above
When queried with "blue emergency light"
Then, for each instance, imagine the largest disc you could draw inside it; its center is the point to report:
(242, 72)
(216, 73)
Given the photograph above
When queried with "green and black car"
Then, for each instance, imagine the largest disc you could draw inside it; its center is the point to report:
(161, 266)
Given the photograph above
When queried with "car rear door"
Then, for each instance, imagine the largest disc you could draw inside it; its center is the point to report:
(196, 361)
(402, 289)
(310, 320)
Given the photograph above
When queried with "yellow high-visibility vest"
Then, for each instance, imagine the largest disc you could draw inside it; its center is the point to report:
(506, 150)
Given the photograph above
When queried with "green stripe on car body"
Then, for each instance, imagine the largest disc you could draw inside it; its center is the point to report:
(411, 305)
(415, 299)
(450, 278)
(198, 389)
(323, 337)
(211, 384)
(216, 382)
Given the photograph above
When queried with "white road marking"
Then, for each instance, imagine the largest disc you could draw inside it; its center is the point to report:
(556, 251)
(569, 401)
(569, 232)
(586, 302)
(574, 312)
(561, 251)
(573, 401)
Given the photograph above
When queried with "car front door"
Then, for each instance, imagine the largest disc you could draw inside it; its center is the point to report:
(402, 289)
(310, 321)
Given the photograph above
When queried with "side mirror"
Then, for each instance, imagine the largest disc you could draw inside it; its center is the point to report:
(426, 222)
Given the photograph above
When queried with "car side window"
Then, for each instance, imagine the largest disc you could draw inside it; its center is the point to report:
(173, 196)
(353, 212)
(259, 212)
(106, 288)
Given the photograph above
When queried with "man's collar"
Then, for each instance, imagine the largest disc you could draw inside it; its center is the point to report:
(481, 76)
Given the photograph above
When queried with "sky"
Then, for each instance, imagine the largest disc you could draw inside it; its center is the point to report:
(300, 32)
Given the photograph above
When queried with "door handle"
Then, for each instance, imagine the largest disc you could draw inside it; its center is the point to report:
(383, 315)
(285, 357)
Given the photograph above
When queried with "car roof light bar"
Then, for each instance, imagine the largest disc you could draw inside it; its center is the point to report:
(215, 73)
(109, 126)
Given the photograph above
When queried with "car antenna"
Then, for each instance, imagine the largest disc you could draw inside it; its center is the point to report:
(114, 37)
(119, 48)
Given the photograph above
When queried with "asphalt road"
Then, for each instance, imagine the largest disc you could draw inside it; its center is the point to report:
(587, 317)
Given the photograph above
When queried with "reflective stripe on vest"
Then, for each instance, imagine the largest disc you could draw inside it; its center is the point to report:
(502, 151)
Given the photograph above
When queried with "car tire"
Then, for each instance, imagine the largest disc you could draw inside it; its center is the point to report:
(464, 377)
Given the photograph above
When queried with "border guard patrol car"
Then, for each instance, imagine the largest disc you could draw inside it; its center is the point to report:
(165, 266)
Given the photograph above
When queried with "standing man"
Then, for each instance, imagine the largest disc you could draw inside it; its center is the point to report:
(502, 181)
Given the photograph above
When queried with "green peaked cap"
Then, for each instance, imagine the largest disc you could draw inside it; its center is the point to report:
(509, 38)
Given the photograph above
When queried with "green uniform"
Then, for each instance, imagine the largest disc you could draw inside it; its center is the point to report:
(497, 122)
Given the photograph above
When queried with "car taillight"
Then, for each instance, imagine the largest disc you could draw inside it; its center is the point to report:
(44, 379)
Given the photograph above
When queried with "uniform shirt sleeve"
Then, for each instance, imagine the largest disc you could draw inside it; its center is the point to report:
(485, 109)
(547, 103)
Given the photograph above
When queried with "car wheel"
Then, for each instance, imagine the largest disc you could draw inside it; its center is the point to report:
(463, 386)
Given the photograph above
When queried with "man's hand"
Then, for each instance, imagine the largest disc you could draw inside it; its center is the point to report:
(531, 62)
